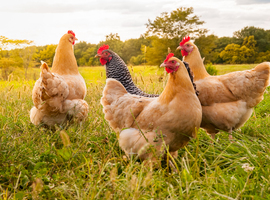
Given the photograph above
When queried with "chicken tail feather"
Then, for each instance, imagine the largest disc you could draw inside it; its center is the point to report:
(50, 90)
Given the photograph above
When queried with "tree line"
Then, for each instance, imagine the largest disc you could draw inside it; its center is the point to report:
(248, 45)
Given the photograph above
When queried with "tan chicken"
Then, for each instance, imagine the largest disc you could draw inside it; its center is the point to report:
(227, 100)
(142, 121)
(58, 94)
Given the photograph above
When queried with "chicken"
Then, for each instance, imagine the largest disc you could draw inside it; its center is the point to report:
(174, 116)
(58, 94)
(117, 69)
(227, 100)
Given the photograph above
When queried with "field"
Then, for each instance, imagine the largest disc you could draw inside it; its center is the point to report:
(85, 162)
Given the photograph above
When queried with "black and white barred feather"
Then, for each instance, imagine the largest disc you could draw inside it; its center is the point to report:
(117, 69)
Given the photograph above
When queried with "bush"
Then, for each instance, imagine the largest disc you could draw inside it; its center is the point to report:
(138, 60)
(212, 70)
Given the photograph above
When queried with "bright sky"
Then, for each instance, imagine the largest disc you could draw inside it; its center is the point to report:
(45, 21)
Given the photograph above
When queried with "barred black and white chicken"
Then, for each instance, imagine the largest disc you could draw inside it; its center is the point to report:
(117, 69)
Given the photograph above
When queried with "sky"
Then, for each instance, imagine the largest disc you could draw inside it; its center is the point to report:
(44, 22)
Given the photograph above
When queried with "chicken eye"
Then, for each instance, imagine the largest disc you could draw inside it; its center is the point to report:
(173, 61)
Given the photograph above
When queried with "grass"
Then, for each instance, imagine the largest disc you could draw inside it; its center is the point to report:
(87, 163)
(224, 69)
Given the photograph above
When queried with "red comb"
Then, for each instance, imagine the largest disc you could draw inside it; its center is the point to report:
(71, 32)
(168, 57)
(103, 47)
(185, 39)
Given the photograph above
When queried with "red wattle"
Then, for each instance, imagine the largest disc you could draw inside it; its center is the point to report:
(184, 53)
(103, 61)
(168, 70)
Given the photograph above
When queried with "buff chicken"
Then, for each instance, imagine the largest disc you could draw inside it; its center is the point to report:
(58, 95)
(227, 100)
(143, 122)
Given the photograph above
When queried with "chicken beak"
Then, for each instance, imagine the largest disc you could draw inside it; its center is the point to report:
(163, 65)
(97, 56)
(179, 48)
(75, 38)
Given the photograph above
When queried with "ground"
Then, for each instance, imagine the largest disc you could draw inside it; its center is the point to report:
(85, 162)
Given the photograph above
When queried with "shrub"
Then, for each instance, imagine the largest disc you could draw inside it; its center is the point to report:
(212, 70)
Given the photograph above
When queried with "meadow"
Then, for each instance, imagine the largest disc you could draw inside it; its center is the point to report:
(84, 161)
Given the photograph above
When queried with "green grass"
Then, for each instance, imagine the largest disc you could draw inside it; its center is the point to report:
(36, 164)
(224, 69)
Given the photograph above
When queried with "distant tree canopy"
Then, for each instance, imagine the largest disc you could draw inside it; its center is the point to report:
(5, 43)
(248, 45)
(236, 54)
(176, 24)
(9, 60)
(261, 36)
(168, 29)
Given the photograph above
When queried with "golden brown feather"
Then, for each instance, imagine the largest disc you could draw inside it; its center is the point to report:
(59, 93)
(175, 114)
(226, 100)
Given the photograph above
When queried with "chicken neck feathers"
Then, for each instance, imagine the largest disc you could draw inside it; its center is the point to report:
(118, 70)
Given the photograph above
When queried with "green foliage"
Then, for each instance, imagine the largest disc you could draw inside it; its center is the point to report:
(132, 48)
(113, 40)
(45, 54)
(7, 66)
(231, 53)
(138, 60)
(206, 45)
(158, 50)
(263, 57)
(261, 36)
(85, 53)
(26, 55)
(212, 70)
(177, 24)
(234, 53)
(6, 43)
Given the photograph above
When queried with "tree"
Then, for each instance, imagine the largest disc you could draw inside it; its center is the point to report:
(27, 54)
(113, 40)
(85, 53)
(45, 54)
(6, 65)
(138, 60)
(6, 43)
(177, 24)
(236, 54)
(132, 48)
(167, 30)
(206, 46)
(261, 36)
(263, 57)
(250, 42)
(231, 54)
